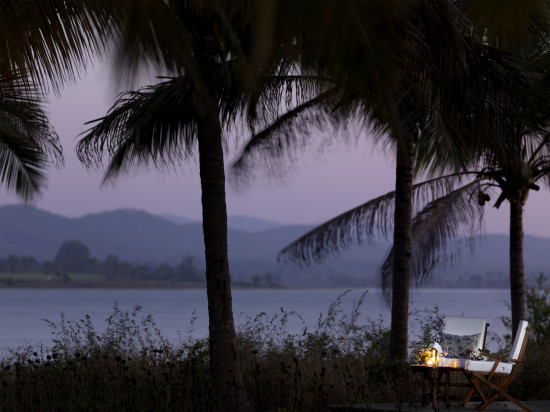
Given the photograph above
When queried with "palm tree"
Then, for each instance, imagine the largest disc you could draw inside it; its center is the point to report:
(450, 210)
(513, 174)
(167, 122)
(523, 32)
(411, 101)
(514, 180)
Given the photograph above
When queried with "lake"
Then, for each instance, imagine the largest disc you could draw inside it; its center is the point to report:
(22, 310)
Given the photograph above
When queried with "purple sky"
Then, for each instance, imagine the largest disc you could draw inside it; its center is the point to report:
(313, 193)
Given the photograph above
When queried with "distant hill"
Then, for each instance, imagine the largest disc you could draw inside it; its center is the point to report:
(141, 237)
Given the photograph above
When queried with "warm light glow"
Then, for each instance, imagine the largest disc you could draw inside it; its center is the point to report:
(428, 356)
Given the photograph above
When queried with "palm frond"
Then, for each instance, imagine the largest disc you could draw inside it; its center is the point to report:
(352, 227)
(28, 143)
(50, 41)
(154, 124)
(438, 231)
(287, 89)
(350, 51)
(289, 133)
(21, 163)
(153, 36)
(508, 24)
(368, 222)
(21, 106)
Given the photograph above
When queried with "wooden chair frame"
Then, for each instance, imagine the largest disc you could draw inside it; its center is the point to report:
(475, 377)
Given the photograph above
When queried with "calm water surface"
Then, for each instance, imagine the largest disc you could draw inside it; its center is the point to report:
(22, 310)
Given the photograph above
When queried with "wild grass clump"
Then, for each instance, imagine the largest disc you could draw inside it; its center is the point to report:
(337, 362)
(129, 366)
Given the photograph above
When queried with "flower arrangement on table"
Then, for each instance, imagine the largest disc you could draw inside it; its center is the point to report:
(478, 355)
(430, 354)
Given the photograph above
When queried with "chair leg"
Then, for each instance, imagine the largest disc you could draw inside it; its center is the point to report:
(466, 399)
(497, 392)
(485, 404)
(475, 387)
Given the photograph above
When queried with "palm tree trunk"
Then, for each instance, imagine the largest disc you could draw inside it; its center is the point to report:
(517, 271)
(225, 369)
(402, 235)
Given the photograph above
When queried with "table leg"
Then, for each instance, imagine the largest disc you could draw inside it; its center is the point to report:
(424, 397)
(435, 387)
(447, 381)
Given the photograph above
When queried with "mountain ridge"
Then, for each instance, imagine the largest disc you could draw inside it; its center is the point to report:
(140, 237)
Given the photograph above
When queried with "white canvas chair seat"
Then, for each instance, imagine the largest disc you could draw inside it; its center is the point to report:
(487, 366)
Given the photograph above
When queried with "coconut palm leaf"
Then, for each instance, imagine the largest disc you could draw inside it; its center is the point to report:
(438, 231)
(289, 133)
(21, 164)
(539, 161)
(28, 142)
(368, 222)
(153, 36)
(156, 124)
(511, 24)
(50, 41)
(447, 135)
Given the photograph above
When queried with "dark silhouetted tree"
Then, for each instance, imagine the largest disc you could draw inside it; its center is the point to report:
(74, 256)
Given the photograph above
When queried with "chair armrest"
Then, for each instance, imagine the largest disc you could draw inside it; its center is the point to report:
(500, 358)
(507, 359)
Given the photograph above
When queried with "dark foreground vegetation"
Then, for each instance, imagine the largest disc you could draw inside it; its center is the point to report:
(129, 366)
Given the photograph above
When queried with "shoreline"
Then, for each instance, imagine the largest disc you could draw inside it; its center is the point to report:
(197, 286)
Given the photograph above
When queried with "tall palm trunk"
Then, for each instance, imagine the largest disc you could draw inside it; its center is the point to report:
(402, 236)
(517, 271)
(225, 370)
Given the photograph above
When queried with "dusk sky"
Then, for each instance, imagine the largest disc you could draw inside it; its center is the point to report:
(314, 192)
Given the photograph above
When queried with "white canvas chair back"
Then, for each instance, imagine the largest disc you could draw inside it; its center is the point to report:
(518, 341)
(463, 326)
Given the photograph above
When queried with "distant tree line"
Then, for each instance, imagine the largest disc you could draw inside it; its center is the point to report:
(74, 257)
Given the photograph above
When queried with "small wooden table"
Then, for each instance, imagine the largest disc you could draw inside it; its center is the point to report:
(435, 376)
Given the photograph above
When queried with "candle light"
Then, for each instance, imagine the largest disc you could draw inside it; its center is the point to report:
(435, 356)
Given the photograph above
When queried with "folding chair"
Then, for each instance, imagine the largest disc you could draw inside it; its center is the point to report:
(467, 328)
(505, 367)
